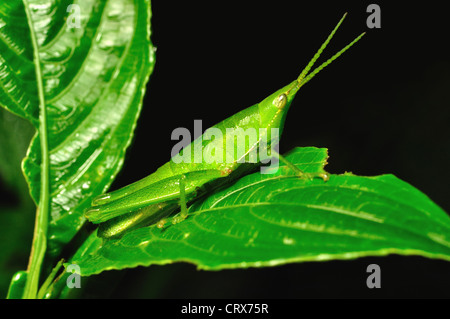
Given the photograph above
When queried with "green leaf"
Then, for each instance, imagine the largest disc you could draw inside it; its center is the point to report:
(93, 80)
(267, 220)
(17, 286)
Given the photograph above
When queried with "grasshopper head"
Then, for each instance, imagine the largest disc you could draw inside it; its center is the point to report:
(273, 109)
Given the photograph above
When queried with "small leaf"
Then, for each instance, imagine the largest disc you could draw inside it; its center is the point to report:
(267, 220)
(17, 285)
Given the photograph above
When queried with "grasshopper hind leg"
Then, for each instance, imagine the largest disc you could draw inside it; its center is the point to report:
(118, 226)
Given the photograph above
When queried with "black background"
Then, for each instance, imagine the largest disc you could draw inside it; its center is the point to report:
(383, 107)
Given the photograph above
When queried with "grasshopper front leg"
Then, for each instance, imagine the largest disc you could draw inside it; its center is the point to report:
(298, 171)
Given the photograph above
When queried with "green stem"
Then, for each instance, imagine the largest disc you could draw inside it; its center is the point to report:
(47, 283)
(39, 244)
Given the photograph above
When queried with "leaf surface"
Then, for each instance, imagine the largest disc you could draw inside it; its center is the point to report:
(272, 219)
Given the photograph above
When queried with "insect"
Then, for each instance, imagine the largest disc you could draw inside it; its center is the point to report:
(174, 185)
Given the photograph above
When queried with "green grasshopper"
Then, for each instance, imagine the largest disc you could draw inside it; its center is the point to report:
(175, 185)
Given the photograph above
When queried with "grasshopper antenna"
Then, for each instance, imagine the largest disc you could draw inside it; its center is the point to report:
(319, 52)
(304, 77)
(334, 57)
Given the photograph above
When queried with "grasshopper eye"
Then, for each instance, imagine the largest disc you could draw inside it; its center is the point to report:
(280, 101)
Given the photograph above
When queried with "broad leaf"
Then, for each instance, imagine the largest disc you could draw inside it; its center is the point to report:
(267, 220)
(95, 58)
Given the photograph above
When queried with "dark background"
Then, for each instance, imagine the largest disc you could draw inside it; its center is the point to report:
(383, 107)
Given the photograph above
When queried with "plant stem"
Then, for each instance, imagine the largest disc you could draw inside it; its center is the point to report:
(45, 286)
(39, 244)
